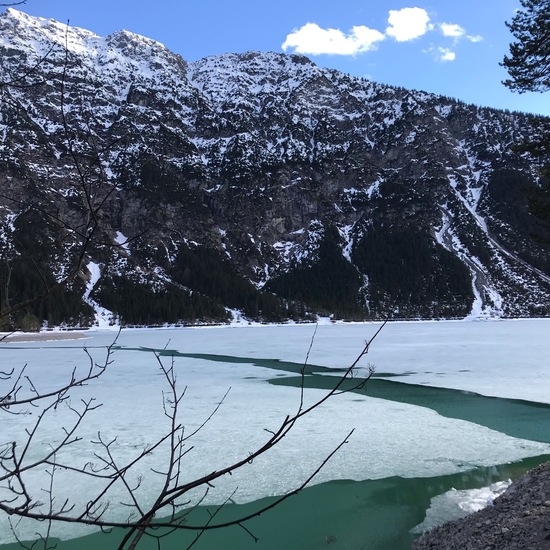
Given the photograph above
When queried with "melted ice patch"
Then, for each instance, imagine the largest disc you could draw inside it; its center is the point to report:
(455, 504)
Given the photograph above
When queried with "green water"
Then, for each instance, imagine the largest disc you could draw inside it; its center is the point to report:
(514, 417)
(370, 515)
(355, 515)
(522, 419)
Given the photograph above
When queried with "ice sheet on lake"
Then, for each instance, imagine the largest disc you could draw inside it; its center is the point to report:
(390, 438)
(496, 358)
(458, 504)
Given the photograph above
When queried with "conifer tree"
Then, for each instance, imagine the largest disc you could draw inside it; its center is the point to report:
(529, 61)
(529, 68)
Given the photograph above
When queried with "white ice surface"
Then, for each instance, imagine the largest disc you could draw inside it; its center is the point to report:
(455, 504)
(493, 357)
(390, 438)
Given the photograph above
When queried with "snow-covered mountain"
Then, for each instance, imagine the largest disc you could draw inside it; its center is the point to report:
(256, 182)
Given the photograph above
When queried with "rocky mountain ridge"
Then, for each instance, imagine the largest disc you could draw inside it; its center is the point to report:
(256, 183)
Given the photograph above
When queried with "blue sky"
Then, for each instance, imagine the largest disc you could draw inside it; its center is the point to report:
(447, 47)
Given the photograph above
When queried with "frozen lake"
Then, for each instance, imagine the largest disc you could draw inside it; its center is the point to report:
(452, 402)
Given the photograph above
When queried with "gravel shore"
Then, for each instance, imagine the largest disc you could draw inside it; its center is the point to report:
(9, 337)
(518, 520)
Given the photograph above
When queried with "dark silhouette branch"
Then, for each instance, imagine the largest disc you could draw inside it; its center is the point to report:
(21, 499)
(170, 500)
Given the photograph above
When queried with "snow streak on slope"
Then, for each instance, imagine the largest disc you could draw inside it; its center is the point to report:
(481, 284)
(104, 319)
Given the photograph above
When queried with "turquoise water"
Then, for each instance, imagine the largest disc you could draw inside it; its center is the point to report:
(514, 417)
(354, 515)
(372, 514)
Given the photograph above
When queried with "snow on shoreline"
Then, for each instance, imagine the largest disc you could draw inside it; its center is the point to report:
(79, 333)
(44, 336)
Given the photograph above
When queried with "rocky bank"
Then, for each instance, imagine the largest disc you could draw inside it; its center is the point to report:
(518, 520)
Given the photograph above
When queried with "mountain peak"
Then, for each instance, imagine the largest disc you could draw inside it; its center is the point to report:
(123, 38)
(123, 50)
(38, 33)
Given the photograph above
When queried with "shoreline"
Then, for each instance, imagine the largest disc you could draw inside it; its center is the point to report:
(57, 334)
(12, 337)
(518, 519)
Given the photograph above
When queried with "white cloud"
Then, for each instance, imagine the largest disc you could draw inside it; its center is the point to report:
(408, 24)
(452, 29)
(312, 39)
(457, 32)
(476, 38)
(441, 54)
(404, 25)
(444, 54)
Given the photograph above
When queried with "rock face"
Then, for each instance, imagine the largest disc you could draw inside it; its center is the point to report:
(258, 182)
(518, 520)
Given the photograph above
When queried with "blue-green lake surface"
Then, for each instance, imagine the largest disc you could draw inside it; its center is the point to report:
(452, 406)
